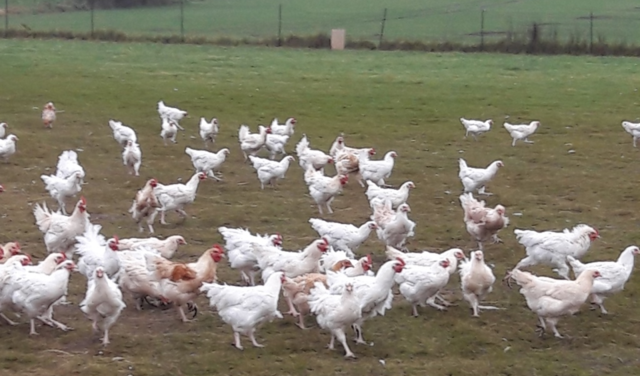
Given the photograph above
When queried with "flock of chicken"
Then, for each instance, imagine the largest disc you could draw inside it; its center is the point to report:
(325, 279)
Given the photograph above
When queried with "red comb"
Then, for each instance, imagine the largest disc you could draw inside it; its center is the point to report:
(369, 259)
(84, 201)
(64, 257)
(401, 261)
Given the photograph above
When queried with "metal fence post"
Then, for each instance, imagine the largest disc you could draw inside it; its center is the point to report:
(182, 20)
(384, 19)
(482, 30)
(6, 18)
(92, 5)
(279, 25)
(591, 33)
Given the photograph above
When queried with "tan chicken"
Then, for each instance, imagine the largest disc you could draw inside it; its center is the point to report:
(348, 162)
(145, 205)
(48, 115)
(476, 280)
(482, 223)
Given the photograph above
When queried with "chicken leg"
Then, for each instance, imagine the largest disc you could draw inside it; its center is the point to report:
(183, 316)
(482, 191)
(339, 333)
(292, 310)
(253, 338)
(7, 320)
(359, 339)
(237, 344)
(432, 302)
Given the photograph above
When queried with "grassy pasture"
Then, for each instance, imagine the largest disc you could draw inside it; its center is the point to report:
(432, 20)
(407, 102)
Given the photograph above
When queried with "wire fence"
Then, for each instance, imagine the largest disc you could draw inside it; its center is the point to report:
(439, 24)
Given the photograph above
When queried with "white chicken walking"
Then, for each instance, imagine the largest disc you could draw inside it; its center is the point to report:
(166, 247)
(61, 189)
(8, 147)
(169, 130)
(308, 157)
(103, 300)
(286, 129)
(394, 227)
(246, 308)
(521, 131)
(208, 131)
(132, 157)
(68, 165)
(59, 230)
(270, 171)
(172, 113)
(207, 162)
(324, 189)
(397, 196)
(122, 133)
(476, 280)
(251, 143)
(342, 236)
(177, 196)
(613, 275)
(476, 178)
(377, 171)
(95, 251)
(420, 284)
(476, 127)
(633, 129)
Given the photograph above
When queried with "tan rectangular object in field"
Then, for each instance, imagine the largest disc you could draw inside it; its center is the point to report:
(337, 39)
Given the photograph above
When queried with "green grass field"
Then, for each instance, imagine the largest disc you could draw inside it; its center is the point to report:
(433, 20)
(407, 102)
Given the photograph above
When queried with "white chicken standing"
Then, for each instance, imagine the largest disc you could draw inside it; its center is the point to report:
(8, 147)
(3, 129)
(177, 196)
(476, 127)
(521, 131)
(95, 251)
(551, 298)
(397, 196)
(270, 171)
(251, 143)
(246, 308)
(335, 312)
(377, 171)
(239, 246)
(103, 300)
(61, 189)
(324, 189)
(421, 284)
(476, 281)
(122, 133)
(293, 264)
(48, 115)
(633, 129)
(207, 162)
(552, 248)
(286, 129)
(166, 247)
(208, 131)
(172, 113)
(59, 230)
(308, 157)
(394, 227)
(342, 236)
(169, 130)
(132, 157)
(476, 178)
(614, 275)
(482, 223)
(275, 144)
(68, 165)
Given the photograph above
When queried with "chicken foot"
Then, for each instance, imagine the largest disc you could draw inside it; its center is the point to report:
(359, 339)
(8, 320)
(292, 310)
(183, 316)
(445, 302)
(339, 333)
(253, 338)
(482, 191)
(236, 338)
(432, 302)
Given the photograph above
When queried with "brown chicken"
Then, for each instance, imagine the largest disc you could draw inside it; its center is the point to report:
(145, 205)
(174, 271)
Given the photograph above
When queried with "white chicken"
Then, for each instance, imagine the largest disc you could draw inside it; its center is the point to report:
(421, 284)
(122, 133)
(61, 189)
(324, 189)
(246, 308)
(286, 129)
(239, 246)
(59, 230)
(476, 178)
(35, 293)
(614, 275)
(521, 131)
(8, 147)
(3, 129)
(270, 171)
(251, 143)
(275, 144)
(476, 127)
(169, 130)
(95, 251)
(393, 227)
(166, 247)
(48, 115)
(145, 205)
(177, 196)
(172, 113)
(397, 196)
(342, 236)
(68, 165)
(103, 300)
(310, 157)
(132, 158)
(374, 293)
(551, 298)
(207, 162)
(135, 278)
(482, 223)
(208, 131)
(476, 281)
(377, 171)
(293, 264)
(633, 129)
(339, 146)
(552, 248)
(335, 312)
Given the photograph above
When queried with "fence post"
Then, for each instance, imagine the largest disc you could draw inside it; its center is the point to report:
(482, 30)
(6, 18)
(384, 19)
(279, 25)
(182, 20)
(92, 4)
(591, 33)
